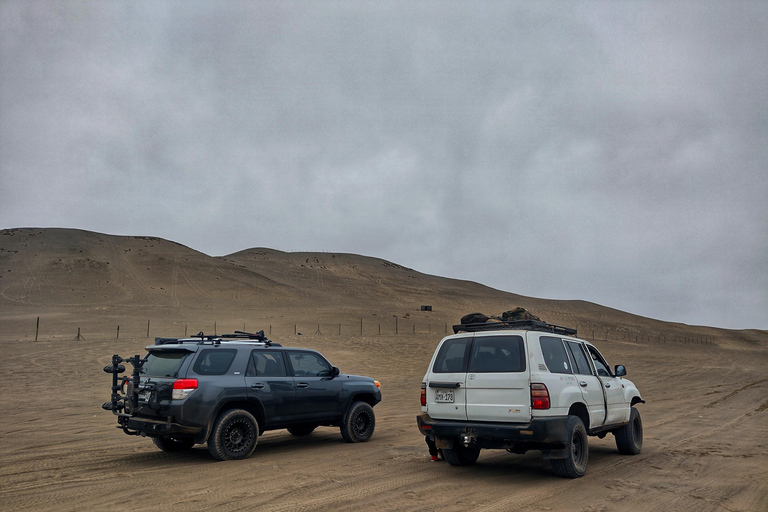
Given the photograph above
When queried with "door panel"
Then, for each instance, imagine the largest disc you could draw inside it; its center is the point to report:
(446, 392)
(591, 386)
(318, 393)
(497, 384)
(266, 379)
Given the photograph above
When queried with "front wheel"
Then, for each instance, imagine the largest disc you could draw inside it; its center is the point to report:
(359, 423)
(461, 455)
(629, 438)
(575, 464)
(234, 435)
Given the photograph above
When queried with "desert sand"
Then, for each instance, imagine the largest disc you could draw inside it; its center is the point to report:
(705, 420)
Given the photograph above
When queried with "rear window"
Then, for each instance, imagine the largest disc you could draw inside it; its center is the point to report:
(214, 361)
(451, 357)
(554, 355)
(497, 354)
(165, 363)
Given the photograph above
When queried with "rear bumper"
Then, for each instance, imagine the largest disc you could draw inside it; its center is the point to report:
(154, 427)
(541, 433)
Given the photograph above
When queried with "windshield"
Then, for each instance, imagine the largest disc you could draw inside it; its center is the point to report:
(164, 363)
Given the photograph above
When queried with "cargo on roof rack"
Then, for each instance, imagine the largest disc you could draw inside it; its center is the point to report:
(526, 325)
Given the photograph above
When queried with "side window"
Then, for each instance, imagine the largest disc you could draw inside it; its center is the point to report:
(497, 354)
(554, 355)
(214, 361)
(452, 356)
(579, 358)
(307, 364)
(266, 364)
(600, 364)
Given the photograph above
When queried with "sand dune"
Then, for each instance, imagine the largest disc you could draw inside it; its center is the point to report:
(706, 416)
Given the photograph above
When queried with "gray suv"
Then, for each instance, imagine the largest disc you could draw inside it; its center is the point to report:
(228, 390)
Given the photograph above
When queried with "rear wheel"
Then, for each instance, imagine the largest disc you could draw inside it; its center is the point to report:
(173, 444)
(461, 455)
(234, 435)
(575, 464)
(358, 423)
(629, 438)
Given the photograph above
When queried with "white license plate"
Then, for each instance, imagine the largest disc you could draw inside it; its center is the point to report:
(145, 396)
(444, 397)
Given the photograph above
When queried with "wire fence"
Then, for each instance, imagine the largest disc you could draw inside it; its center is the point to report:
(131, 329)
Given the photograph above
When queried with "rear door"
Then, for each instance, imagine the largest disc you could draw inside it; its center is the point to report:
(497, 381)
(267, 380)
(591, 387)
(446, 392)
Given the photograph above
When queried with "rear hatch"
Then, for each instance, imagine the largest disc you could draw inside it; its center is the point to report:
(163, 367)
(480, 377)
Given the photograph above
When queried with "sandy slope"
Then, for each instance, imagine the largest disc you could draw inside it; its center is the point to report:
(706, 416)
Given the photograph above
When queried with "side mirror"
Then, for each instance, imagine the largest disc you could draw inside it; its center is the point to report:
(335, 371)
(620, 370)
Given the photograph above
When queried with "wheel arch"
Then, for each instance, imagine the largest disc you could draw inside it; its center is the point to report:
(253, 406)
(580, 410)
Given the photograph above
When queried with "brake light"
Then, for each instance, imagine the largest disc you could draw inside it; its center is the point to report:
(182, 388)
(539, 396)
(423, 393)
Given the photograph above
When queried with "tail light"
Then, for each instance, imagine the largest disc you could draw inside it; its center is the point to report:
(539, 396)
(182, 388)
(423, 393)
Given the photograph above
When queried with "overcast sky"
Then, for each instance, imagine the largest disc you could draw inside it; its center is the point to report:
(615, 152)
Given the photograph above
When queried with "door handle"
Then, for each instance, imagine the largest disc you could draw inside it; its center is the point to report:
(607, 384)
(583, 384)
(302, 385)
(257, 386)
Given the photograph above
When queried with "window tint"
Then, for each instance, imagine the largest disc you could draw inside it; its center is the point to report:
(451, 357)
(579, 358)
(497, 354)
(600, 364)
(164, 363)
(554, 354)
(307, 364)
(266, 364)
(214, 361)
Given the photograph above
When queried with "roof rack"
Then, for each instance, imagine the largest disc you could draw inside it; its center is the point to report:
(201, 338)
(527, 325)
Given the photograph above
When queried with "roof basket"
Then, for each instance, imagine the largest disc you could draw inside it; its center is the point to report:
(527, 325)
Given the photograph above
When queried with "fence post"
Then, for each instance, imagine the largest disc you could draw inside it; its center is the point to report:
(147, 328)
(118, 333)
(37, 329)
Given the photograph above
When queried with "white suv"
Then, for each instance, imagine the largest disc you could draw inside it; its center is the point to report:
(526, 385)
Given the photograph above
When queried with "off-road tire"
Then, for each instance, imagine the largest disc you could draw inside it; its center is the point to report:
(173, 444)
(575, 464)
(359, 423)
(461, 455)
(234, 435)
(629, 438)
(303, 430)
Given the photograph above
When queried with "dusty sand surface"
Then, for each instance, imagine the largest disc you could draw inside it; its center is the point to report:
(705, 420)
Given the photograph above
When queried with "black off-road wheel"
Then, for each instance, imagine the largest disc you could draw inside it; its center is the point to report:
(461, 455)
(234, 435)
(629, 438)
(358, 423)
(302, 430)
(575, 464)
(173, 444)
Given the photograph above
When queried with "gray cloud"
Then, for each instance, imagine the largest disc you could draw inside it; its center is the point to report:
(612, 152)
